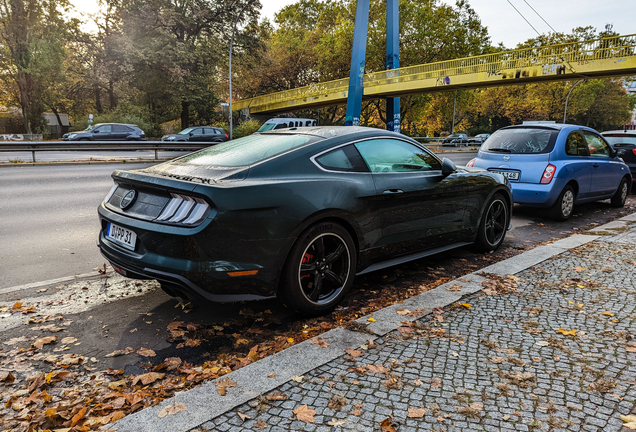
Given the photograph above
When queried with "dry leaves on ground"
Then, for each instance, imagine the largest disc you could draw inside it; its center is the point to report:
(172, 410)
(416, 412)
(146, 352)
(305, 414)
(222, 384)
(387, 425)
(354, 353)
(319, 342)
(39, 343)
(436, 383)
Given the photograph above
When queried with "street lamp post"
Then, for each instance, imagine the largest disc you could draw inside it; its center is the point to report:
(565, 111)
(230, 62)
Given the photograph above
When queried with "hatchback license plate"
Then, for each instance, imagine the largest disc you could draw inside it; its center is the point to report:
(121, 236)
(510, 175)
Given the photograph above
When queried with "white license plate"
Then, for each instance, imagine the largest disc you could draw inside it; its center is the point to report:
(121, 236)
(510, 175)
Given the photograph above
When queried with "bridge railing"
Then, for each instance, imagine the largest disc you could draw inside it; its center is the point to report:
(551, 59)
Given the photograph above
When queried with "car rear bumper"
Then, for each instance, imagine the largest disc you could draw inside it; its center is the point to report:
(211, 264)
(537, 195)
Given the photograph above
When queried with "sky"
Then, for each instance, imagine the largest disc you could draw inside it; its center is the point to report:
(504, 23)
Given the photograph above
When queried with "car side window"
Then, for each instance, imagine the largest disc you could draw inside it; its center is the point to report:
(597, 146)
(104, 129)
(281, 126)
(575, 145)
(390, 156)
(343, 159)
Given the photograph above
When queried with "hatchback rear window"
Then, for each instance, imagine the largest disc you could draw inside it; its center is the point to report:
(620, 138)
(521, 140)
(246, 151)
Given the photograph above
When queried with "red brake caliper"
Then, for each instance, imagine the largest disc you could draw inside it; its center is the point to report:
(306, 258)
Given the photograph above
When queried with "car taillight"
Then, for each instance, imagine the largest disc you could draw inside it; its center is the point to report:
(184, 210)
(548, 173)
(634, 151)
(226, 136)
(471, 163)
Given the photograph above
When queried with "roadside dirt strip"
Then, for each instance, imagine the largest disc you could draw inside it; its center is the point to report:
(207, 408)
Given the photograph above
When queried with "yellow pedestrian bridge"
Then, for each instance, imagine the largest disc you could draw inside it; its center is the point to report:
(605, 57)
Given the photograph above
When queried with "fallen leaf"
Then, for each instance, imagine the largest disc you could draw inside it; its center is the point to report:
(542, 343)
(436, 383)
(334, 422)
(276, 396)
(16, 340)
(416, 412)
(146, 352)
(222, 384)
(506, 417)
(566, 332)
(319, 342)
(387, 425)
(6, 377)
(39, 343)
(68, 340)
(466, 305)
(607, 313)
(403, 311)
(305, 414)
(172, 410)
(260, 424)
(380, 369)
(371, 319)
(118, 353)
(290, 340)
(148, 378)
(497, 360)
(455, 287)
(418, 382)
(354, 353)
(630, 421)
(579, 269)
(298, 378)
(243, 416)
(77, 417)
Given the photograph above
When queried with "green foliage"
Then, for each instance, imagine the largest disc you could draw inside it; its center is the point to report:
(246, 128)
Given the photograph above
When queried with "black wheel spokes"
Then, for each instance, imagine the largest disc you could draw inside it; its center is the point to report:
(495, 223)
(325, 269)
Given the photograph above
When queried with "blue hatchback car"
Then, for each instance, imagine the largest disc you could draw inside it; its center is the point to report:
(556, 166)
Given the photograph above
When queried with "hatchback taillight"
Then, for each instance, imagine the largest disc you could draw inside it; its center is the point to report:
(548, 173)
(184, 210)
(634, 151)
(471, 163)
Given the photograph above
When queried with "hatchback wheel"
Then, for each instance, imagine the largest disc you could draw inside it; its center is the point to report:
(619, 198)
(493, 226)
(564, 205)
(319, 270)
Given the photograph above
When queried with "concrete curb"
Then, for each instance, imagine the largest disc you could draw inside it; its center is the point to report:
(204, 403)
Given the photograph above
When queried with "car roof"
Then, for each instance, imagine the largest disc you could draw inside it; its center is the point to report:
(620, 131)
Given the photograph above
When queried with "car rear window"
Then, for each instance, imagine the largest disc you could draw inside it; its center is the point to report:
(521, 140)
(246, 151)
(620, 139)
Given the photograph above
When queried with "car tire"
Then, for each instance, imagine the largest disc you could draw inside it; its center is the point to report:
(494, 224)
(563, 208)
(619, 198)
(323, 256)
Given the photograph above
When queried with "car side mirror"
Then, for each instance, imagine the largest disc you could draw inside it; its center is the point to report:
(448, 167)
(621, 152)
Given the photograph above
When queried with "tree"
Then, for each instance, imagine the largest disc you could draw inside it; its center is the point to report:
(32, 38)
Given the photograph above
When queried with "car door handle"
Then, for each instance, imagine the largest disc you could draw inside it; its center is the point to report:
(393, 191)
(595, 165)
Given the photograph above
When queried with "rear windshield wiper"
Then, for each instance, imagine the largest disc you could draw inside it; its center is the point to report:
(500, 149)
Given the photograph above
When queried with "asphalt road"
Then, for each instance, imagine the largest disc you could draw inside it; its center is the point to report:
(49, 224)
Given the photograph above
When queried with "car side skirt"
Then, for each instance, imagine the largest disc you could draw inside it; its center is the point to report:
(411, 257)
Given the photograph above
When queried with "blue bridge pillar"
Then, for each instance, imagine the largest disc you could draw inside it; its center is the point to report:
(392, 60)
(358, 53)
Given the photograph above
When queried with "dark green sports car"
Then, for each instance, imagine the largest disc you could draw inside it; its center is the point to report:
(296, 214)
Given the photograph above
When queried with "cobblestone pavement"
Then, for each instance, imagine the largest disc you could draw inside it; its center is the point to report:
(548, 350)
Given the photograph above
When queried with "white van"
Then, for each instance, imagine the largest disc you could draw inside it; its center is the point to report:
(281, 123)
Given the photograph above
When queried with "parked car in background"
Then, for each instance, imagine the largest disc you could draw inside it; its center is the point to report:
(295, 214)
(455, 140)
(283, 123)
(198, 134)
(556, 166)
(624, 142)
(107, 132)
(478, 139)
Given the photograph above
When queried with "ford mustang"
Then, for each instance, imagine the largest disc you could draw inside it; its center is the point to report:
(296, 214)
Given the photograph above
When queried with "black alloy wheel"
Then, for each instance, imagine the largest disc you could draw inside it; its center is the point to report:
(493, 225)
(320, 269)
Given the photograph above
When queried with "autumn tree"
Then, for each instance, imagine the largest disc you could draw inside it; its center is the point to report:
(33, 34)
